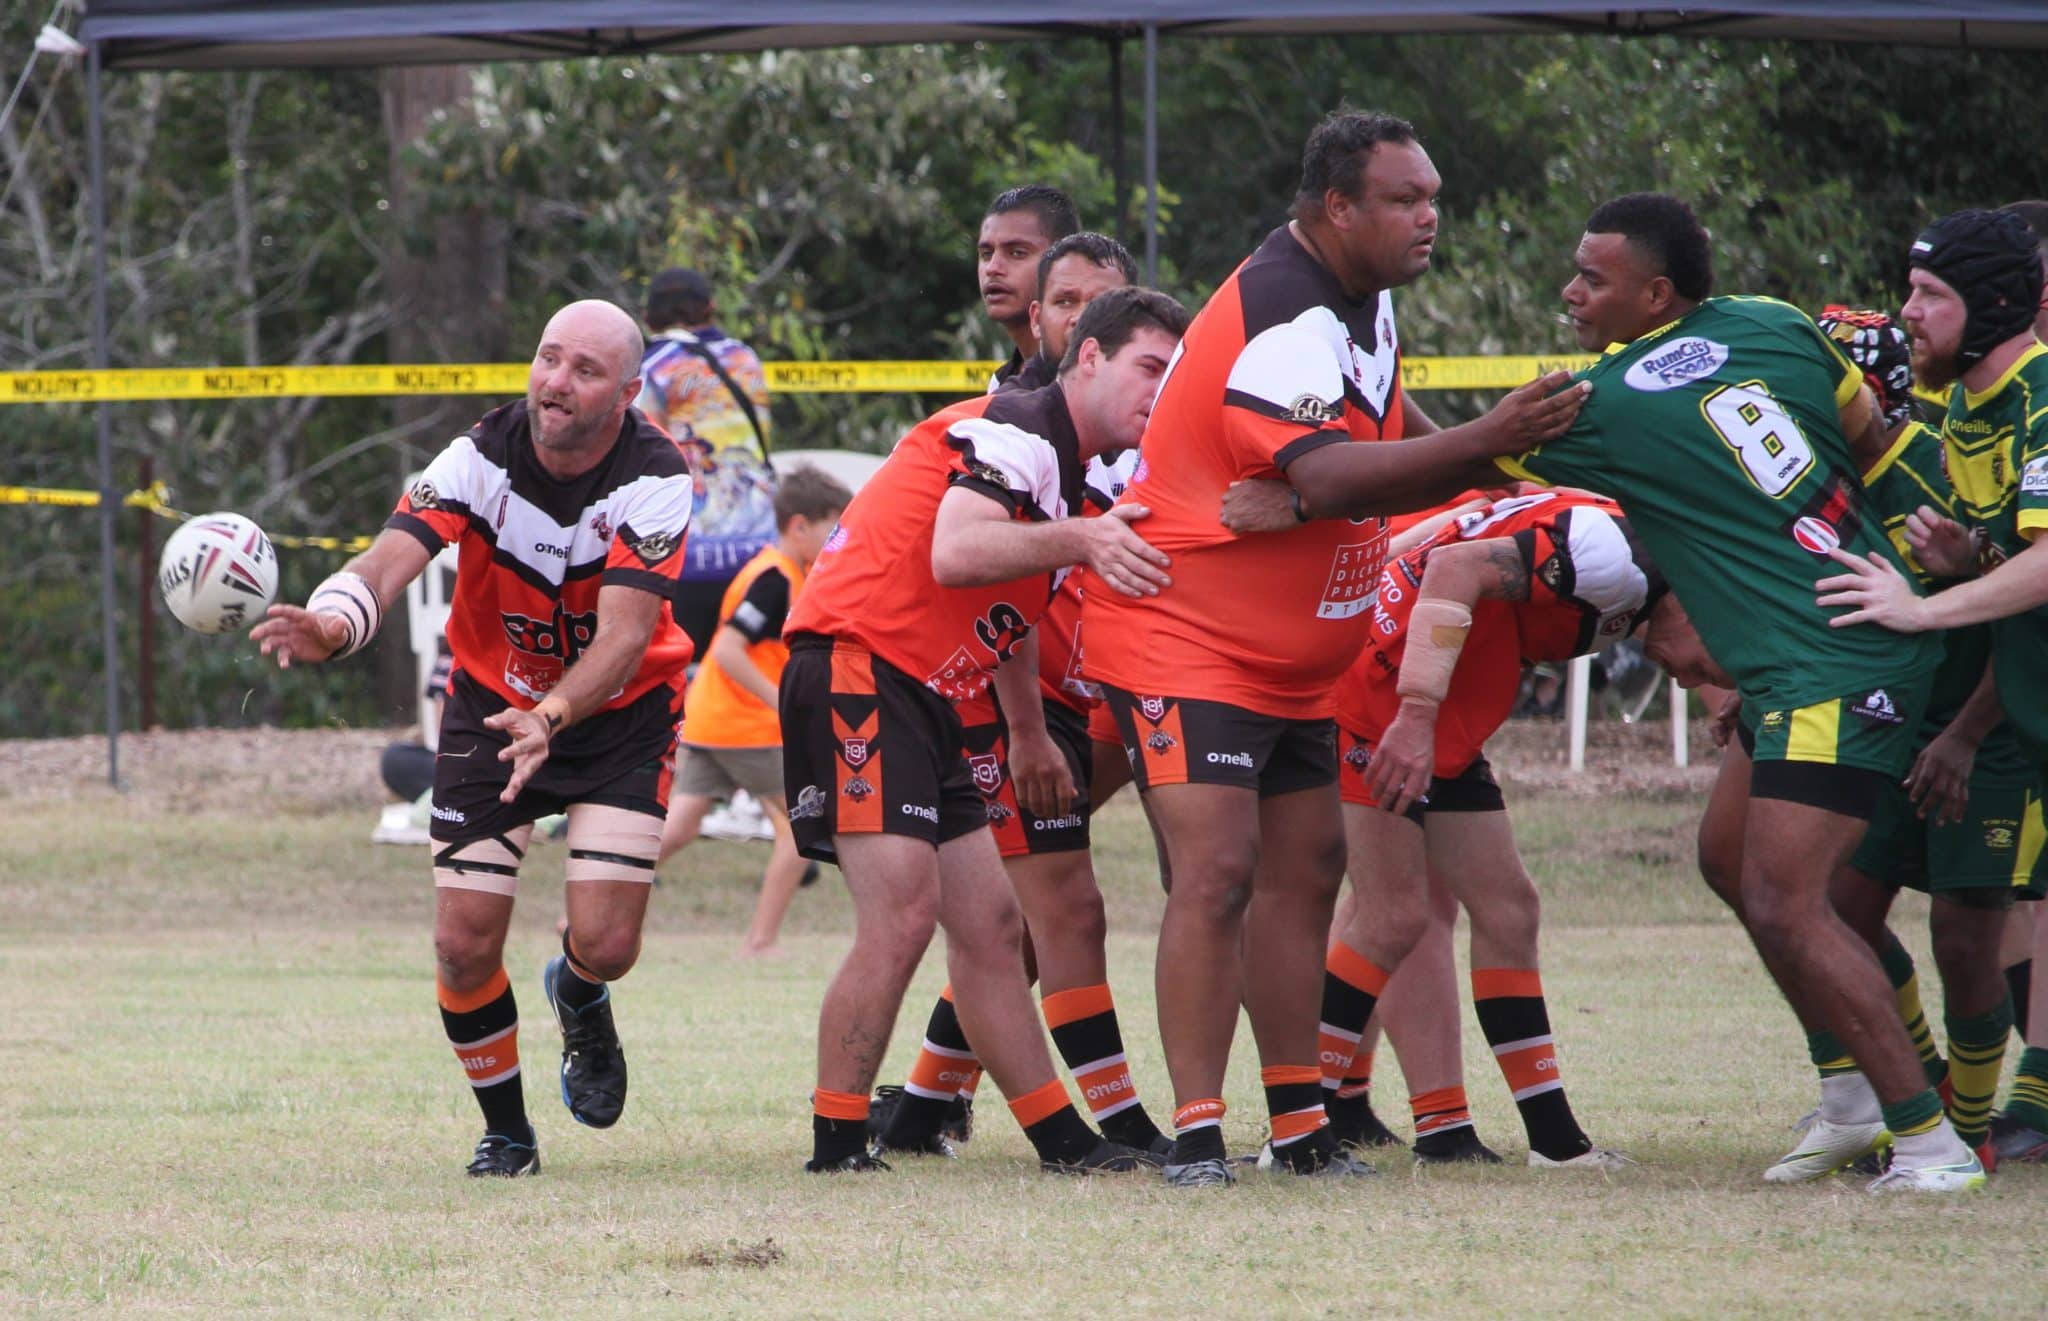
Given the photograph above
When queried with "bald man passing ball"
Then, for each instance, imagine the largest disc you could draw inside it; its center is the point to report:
(570, 510)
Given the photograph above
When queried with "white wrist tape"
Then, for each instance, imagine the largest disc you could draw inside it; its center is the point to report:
(349, 598)
(1436, 634)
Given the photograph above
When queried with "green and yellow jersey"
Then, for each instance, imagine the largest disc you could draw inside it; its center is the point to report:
(1996, 442)
(1721, 435)
(1911, 473)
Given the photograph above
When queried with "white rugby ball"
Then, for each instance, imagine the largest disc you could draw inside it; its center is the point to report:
(218, 573)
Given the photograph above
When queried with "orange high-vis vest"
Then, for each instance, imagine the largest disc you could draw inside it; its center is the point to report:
(717, 712)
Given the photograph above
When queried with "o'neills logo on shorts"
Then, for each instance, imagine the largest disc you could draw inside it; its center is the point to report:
(1669, 367)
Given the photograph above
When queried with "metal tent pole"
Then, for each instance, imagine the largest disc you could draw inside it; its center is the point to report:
(1119, 168)
(110, 500)
(1152, 153)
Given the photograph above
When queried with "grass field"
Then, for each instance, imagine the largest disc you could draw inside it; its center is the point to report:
(227, 1091)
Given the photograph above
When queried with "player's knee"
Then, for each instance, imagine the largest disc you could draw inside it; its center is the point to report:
(606, 953)
(899, 933)
(1777, 919)
(1217, 882)
(1721, 868)
(1075, 916)
(1513, 917)
(465, 957)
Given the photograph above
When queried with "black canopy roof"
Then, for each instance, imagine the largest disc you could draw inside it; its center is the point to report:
(260, 33)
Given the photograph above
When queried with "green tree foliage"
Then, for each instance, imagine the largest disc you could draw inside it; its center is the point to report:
(832, 196)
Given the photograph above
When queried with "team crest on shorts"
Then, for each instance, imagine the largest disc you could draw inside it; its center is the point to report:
(998, 811)
(1877, 708)
(1161, 742)
(858, 789)
(1153, 707)
(2000, 834)
(988, 771)
(854, 751)
(1356, 757)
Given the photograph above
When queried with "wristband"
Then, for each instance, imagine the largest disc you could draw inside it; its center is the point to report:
(349, 598)
(1294, 503)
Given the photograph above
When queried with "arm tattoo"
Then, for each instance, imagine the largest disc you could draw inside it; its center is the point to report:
(1511, 573)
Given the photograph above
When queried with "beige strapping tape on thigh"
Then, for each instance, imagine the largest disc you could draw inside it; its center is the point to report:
(612, 844)
(482, 864)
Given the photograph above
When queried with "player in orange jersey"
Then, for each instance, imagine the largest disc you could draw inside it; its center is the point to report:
(1536, 578)
(1221, 684)
(570, 510)
(731, 738)
(1029, 747)
(937, 571)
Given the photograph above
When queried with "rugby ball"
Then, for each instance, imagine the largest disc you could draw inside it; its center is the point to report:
(218, 573)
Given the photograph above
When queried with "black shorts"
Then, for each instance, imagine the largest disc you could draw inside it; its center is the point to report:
(1018, 832)
(1473, 789)
(868, 750)
(623, 758)
(1185, 740)
(1830, 786)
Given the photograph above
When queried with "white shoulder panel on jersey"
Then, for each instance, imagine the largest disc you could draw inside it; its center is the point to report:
(1604, 571)
(1284, 365)
(1026, 460)
(461, 475)
(1109, 477)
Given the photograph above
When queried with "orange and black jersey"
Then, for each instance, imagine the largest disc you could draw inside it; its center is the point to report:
(535, 550)
(872, 584)
(1061, 675)
(1588, 584)
(1281, 361)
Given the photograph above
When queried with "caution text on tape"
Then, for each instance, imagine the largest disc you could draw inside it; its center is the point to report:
(509, 378)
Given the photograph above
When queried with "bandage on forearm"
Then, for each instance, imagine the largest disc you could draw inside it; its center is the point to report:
(349, 598)
(1436, 634)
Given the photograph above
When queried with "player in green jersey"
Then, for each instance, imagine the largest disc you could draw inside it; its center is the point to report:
(1965, 825)
(1976, 288)
(1724, 425)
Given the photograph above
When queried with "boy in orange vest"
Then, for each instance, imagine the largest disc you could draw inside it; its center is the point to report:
(731, 737)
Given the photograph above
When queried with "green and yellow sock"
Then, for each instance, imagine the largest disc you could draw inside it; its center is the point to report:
(2028, 1100)
(1917, 1114)
(1829, 1055)
(1898, 969)
(1976, 1050)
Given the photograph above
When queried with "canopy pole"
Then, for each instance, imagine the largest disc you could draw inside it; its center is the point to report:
(110, 500)
(1152, 153)
(1119, 168)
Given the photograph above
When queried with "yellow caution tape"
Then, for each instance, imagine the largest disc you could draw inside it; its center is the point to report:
(156, 501)
(509, 378)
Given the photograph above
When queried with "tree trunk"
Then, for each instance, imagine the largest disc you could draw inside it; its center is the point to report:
(445, 275)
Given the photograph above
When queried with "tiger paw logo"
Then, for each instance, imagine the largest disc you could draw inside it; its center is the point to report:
(858, 789)
(854, 752)
(1160, 742)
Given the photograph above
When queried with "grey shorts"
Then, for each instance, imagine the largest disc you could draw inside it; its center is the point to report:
(716, 772)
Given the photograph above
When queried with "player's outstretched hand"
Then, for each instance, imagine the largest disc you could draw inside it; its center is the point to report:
(294, 633)
(1943, 546)
(1263, 505)
(1399, 773)
(1044, 784)
(1940, 779)
(1122, 558)
(1535, 412)
(528, 751)
(1874, 592)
